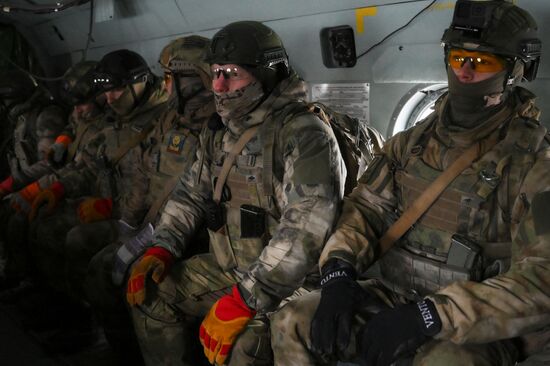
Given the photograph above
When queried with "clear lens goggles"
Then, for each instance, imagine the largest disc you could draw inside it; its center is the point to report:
(480, 61)
(229, 72)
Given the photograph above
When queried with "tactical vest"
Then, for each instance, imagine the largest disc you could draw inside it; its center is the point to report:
(466, 234)
(119, 139)
(169, 151)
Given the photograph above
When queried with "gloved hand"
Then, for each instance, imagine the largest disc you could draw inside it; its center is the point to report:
(6, 187)
(341, 296)
(22, 200)
(95, 209)
(157, 261)
(58, 151)
(223, 323)
(392, 334)
(50, 196)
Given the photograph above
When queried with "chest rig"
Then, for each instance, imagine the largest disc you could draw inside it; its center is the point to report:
(169, 151)
(251, 210)
(119, 139)
(466, 234)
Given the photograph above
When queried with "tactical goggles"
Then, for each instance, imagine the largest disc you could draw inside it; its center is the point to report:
(229, 72)
(480, 61)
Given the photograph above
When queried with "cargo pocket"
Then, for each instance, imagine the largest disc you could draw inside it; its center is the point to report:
(221, 246)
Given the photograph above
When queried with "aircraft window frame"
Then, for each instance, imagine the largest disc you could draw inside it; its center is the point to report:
(417, 104)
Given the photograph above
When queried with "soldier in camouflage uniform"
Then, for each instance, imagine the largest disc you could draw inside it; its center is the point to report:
(169, 150)
(469, 282)
(95, 193)
(267, 223)
(36, 122)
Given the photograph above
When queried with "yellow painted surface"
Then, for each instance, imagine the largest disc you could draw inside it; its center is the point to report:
(360, 14)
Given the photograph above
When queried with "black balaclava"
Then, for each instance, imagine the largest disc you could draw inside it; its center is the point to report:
(470, 103)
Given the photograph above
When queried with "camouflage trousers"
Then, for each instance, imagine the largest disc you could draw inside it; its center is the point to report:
(13, 241)
(167, 324)
(108, 302)
(291, 342)
(62, 247)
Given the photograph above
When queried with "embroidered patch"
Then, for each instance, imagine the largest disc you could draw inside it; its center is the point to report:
(175, 143)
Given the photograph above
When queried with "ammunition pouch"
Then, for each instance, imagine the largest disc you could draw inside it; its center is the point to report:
(413, 274)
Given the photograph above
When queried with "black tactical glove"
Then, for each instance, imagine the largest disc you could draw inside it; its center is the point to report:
(396, 333)
(340, 297)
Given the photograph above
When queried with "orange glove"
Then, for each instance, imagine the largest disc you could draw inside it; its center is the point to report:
(6, 187)
(224, 322)
(22, 200)
(50, 196)
(157, 260)
(95, 209)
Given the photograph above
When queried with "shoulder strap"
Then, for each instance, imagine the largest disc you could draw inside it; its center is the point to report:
(269, 133)
(230, 159)
(427, 198)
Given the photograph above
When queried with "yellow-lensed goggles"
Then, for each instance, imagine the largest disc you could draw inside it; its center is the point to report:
(481, 61)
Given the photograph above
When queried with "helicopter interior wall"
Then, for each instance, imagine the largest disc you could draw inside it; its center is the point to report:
(409, 57)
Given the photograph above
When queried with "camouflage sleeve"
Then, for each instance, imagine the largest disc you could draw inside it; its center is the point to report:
(367, 212)
(184, 209)
(310, 197)
(80, 181)
(31, 174)
(516, 302)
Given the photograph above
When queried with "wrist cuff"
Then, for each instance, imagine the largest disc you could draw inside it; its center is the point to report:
(429, 318)
(337, 270)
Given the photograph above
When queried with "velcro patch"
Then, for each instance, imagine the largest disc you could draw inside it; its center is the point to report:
(175, 143)
(541, 212)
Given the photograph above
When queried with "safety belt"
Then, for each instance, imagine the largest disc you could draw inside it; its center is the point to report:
(230, 159)
(427, 198)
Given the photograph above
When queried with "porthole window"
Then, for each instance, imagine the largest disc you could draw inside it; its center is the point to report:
(416, 105)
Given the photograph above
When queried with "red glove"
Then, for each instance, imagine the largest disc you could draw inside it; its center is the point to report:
(50, 196)
(95, 209)
(156, 260)
(224, 322)
(6, 187)
(22, 200)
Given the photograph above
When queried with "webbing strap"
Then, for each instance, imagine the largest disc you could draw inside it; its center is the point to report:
(427, 198)
(267, 176)
(230, 159)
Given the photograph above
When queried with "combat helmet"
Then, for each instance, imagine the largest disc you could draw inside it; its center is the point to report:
(252, 44)
(498, 27)
(121, 68)
(187, 55)
(78, 86)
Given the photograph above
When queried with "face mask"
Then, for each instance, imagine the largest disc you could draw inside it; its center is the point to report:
(236, 104)
(127, 101)
(469, 102)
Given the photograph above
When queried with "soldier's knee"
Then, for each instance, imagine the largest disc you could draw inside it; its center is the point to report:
(449, 354)
(293, 320)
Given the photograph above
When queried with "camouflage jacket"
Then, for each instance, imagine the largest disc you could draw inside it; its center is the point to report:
(82, 130)
(108, 167)
(307, 176)
(505, 209)
(166, 153)
(31, 143)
